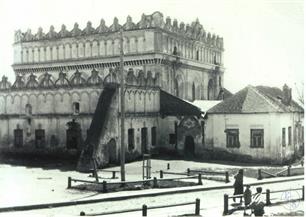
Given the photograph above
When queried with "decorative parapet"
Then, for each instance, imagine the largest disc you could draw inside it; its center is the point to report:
(48, 81)
(194, 31)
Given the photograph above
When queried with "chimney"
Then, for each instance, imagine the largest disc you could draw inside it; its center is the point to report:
(287, 95)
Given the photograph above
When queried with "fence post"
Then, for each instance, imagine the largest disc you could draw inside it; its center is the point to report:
(168, 166)
(161, 174)
(226, 177)
(268, 202)
(104, 186)
(114, 174)
(259, 174)
(200, 179)
(155, 182)
(144, 210)
(225, 208)
(303, 193)
(69, 182)
(188, 172)
(288, 174)
(197, 206)
(82, 213)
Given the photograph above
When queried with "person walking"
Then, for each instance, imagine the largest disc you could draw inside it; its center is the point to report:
(238, 184)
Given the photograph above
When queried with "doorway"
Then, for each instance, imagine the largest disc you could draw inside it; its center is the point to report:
(189, 146)
(112, 151)
(73, 135)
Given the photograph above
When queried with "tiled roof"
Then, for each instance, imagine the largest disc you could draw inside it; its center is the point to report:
(173, 106)
(260, 99)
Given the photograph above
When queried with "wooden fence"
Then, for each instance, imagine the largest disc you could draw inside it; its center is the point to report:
(145, 209)
(123, 183)
(189, 172)
(267, 193)
(289, 171)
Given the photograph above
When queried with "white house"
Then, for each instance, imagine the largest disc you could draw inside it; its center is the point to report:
(261, 122)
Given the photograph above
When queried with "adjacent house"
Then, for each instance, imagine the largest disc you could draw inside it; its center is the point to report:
(261, 122)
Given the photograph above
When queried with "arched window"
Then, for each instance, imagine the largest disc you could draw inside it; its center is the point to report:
(28, 109)
(193, 92)
(197, 55)
(174, 50)
(210, 90)
(220, 81)
(176, 88)
(76, 108)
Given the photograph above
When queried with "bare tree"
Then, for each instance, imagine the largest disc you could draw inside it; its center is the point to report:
(300, 93)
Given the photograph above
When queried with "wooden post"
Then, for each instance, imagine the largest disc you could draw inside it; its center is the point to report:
(155, 182)
(225, 208)
(82, 213)
(268, 202)
(161, 174)
(69, 182)
(288, 174)
(259, 175)
(168, 166)
(188, 172)
(104, 186)
(114, 174)
(303, 193)
(144, 210)
(197, 206)
(200, 179)
(226, 177)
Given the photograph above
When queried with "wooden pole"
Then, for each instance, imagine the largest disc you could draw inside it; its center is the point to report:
(225, 208)
(268, 202)
(200, 179)
(303, 193)
(259, 174)
(104, 187)
(69, 182)
(226, 177)
(288, 173)
(122, 147)
(197, 206)
(144, 210)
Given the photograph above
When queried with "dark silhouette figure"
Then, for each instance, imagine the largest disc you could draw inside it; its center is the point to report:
(238, 185)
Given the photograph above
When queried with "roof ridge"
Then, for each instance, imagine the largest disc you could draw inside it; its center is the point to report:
(266, 98)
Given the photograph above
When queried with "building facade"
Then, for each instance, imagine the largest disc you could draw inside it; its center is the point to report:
(60, 77)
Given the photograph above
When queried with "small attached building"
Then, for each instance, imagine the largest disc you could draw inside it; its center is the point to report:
(260, 123)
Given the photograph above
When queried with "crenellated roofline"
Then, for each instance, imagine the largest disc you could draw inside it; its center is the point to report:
(194, 31)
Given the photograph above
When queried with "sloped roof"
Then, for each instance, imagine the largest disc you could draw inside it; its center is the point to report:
(260, 99)
(173, 106)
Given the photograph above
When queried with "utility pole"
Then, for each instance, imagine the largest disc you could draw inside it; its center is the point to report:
(122, 147)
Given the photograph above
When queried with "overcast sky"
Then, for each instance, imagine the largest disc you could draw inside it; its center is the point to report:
(263, 39)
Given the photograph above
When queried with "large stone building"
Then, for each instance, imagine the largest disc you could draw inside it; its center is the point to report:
(62, 76)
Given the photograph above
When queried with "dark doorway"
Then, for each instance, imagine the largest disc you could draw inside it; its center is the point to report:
(73, 135)
(18, 138)
(189, 146)
(153, 136)
(112, 151)
(144, 140)
(39, 138)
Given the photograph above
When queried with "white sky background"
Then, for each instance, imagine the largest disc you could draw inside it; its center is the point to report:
(263, 40)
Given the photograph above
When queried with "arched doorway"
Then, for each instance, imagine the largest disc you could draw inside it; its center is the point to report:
(112, 151)
(189, 146)
(73, 135)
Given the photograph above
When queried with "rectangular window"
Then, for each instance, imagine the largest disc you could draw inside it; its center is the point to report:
(131, 139)
(257, 138)
(232, 138)
(284, 137)
(153, 136)
(39, 138)
(289, 136)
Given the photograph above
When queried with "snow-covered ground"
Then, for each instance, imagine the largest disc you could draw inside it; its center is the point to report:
(21, 185)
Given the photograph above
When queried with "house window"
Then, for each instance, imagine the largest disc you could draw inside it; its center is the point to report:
(131, 139)
(257, 138)
(284, 137)
(289, 136)
(153, 136)
(76, 108)
(39, 138)
(232, 138)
